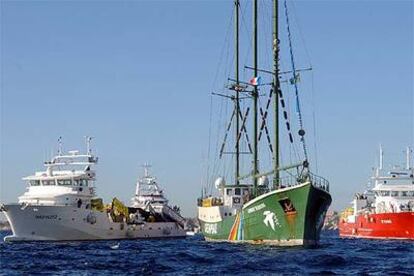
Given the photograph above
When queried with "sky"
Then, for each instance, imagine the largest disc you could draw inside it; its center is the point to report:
(138, 77)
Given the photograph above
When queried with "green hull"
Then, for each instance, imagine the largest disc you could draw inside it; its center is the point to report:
(290, 216)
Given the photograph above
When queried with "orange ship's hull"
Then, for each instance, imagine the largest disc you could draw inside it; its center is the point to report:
(380, 226)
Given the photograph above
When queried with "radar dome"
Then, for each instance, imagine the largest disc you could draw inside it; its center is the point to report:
(220, 182)
(263, 181)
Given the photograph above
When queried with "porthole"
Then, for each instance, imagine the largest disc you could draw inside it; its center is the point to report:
(225, 214)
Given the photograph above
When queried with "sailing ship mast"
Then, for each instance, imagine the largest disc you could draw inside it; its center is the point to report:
(276, 88)
(255, 96)
(237, 90)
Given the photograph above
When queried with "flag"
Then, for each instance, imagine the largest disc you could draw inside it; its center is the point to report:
(255, 81)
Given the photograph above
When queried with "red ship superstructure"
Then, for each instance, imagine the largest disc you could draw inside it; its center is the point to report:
(386, 211)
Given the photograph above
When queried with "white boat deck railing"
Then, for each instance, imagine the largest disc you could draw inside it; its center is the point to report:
(293, 180)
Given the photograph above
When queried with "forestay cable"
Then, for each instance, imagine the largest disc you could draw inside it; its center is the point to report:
(294, 82)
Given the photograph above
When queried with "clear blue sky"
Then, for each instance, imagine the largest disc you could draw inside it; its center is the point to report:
(137, 75)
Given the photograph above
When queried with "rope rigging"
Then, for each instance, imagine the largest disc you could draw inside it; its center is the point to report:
(263, 115)
(294, 82)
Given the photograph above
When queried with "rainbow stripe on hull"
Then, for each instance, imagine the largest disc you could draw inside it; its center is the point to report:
(236, 232)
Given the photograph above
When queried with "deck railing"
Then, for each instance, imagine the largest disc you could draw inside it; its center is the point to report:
(294, 180)
(319, 181)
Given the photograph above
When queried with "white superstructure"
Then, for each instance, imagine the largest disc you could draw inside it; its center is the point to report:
(60, 204)
(67, 181)
(148, 192)
(392, 192)
(150, 197)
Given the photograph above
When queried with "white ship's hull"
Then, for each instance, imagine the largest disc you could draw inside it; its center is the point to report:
(66, 223)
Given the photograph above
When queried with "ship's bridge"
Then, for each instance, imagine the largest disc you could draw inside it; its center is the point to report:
(149, 192)
(67, 180)
(394, 190)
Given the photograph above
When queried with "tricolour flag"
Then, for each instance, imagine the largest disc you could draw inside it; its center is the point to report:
(255, 81)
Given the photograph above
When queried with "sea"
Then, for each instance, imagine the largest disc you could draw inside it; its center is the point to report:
(194, 256)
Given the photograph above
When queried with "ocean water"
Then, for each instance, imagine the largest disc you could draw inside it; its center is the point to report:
(195, 256)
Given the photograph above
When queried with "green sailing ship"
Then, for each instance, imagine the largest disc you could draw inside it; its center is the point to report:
(290, 209)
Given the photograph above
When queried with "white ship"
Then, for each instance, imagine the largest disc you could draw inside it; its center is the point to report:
(150, 198)
(60, 204)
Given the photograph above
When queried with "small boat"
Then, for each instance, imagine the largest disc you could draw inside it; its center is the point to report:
(387, 210)
(60, 204)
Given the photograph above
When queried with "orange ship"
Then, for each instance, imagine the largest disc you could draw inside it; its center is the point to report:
(386, 211)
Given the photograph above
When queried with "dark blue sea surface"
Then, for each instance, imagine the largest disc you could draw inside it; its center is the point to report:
(195, 256)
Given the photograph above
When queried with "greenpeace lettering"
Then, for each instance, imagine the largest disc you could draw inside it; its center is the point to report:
(256, 208)
(210, 228)
(46, 217)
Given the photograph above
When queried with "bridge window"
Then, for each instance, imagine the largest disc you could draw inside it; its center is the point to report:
(48, 182)
(81, 182)
(237, 191)
(65, 182)
(403, 193)
(394, 193)
(34, 182)
(385, 193)
(229, 192)
(410, 193)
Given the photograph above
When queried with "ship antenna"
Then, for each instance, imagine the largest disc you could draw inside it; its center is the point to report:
(408, 156)
(60, 145)
(381, 158)
(88, 145)
(146, 167)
